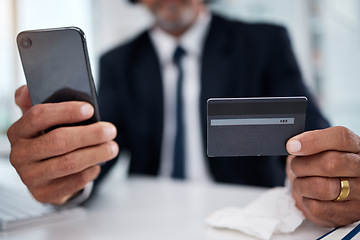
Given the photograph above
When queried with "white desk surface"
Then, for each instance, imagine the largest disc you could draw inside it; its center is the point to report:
(148, 208)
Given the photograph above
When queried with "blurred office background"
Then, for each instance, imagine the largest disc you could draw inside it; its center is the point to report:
(325, 36)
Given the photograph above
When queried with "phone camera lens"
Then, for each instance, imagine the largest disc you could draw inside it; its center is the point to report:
(25, 42)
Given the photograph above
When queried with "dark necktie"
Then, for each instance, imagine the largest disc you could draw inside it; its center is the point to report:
(179, 148)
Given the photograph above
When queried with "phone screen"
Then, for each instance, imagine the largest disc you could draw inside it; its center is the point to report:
(56, 66)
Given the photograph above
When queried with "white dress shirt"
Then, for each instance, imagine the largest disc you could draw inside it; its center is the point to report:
(192, 42)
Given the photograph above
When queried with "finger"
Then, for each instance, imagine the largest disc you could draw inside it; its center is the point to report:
(22, 98)
(320, 188)
(43, 116)
(327, 164)
(325, 189)
(300, 205)
(62, 141)
(330, 213)
(327, 213)
(60, 190)
(334, 138)
(68, 164)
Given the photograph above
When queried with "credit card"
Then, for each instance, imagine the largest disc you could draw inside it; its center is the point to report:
(253, 126)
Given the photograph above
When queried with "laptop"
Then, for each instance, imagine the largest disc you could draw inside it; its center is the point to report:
(18, 210)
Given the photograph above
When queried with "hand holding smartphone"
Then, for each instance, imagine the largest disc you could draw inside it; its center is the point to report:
(57, 165)
(57, 68)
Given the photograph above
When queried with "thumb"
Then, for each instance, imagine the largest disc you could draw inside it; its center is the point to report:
(334, 138)
(22, 98)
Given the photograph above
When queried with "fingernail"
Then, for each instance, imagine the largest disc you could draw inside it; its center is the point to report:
(87, 110)
(293, 146)
(110, 131)
(114, 148)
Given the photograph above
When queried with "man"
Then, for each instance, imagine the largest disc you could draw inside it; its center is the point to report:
(233, 59)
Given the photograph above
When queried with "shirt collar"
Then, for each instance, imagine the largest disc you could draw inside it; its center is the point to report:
(192, 40)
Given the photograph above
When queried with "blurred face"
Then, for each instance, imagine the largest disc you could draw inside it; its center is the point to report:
(174, 16)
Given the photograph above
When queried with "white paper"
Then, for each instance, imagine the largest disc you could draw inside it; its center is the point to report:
(273, 212)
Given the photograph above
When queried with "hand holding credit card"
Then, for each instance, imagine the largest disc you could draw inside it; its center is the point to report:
(253, 126)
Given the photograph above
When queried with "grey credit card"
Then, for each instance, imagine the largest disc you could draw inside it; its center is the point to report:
(253, 126)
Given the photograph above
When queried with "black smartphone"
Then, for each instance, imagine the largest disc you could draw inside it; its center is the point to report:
(57, 67)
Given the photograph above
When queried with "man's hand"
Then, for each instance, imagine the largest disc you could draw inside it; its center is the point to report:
(57, 164)
(319, 158)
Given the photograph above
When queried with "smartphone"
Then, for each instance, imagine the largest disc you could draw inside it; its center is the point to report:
(57, 67)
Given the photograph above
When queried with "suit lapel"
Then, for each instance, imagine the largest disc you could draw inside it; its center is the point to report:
(148, 97)
(217, 63)
(146, 73)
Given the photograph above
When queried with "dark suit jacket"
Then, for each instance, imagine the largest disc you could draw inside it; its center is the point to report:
(239, 60)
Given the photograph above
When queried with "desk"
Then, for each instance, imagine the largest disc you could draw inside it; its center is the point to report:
(148, 208)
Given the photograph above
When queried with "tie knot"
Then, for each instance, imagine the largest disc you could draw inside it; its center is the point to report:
(178, 54)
